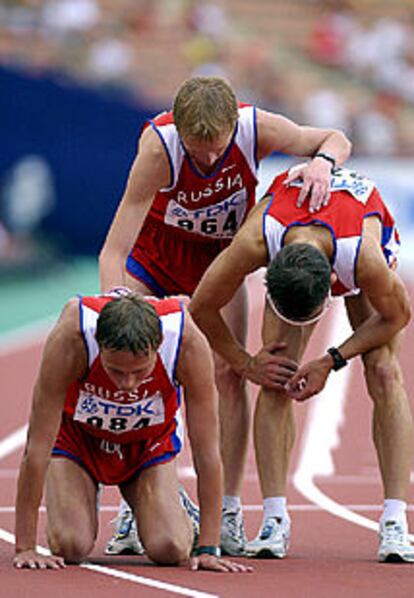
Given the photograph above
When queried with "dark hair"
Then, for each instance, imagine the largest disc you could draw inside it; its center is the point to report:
(298, 280)
(129, 324)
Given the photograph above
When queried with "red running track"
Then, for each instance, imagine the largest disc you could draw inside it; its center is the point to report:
(333, 475)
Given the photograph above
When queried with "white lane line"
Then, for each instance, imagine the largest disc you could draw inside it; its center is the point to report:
(145, 581)
(321, 434)
(13, 442)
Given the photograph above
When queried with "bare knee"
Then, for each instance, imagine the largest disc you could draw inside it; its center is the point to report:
(167, 550)
(382, 373)
(72, 545)
(229, 383)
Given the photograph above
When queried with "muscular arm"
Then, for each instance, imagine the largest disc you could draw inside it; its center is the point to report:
(276, 133)
(387, 296)
(64, 360)
(246, 254)
(150, 172)
(195, 371)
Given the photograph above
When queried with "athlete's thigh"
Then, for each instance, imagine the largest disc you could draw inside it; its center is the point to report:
(295, 337)
(154, 498)
(71, 496)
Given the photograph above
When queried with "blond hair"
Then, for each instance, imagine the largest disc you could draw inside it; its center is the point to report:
(204, 108)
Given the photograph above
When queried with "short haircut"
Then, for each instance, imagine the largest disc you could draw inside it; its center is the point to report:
(204, 108)
(298, 280)
(129, 324)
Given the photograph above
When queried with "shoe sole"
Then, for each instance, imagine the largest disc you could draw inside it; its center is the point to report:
(395, 558)
(265, 553)
(123, 552)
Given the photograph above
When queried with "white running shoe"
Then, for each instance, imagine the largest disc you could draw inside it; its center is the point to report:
(272, 541)
(125, 539)
(394, 545)
(232, 537)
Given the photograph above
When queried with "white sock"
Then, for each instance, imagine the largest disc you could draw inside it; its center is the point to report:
(231, 503)
(275, 506)
(394, 510)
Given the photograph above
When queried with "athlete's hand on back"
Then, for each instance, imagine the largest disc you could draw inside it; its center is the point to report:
(208, 562)
(31, 559)
(316, 177)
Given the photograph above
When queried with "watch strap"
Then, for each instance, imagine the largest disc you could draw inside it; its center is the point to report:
(212, 550)
(327, 157)
(338, 360)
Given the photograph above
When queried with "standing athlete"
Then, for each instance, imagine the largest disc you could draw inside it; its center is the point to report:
(347, 249)
(106, 408)
(190, 188)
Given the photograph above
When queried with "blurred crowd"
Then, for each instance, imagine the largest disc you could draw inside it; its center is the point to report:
(349, 65)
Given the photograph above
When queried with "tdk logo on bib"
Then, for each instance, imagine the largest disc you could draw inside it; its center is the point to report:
(221, 220)
(117, 418)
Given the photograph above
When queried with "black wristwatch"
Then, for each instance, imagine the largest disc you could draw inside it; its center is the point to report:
(327, 157)
(338, 360)
(213, 550)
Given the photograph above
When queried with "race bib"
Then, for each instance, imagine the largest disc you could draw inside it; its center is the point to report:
(343, 179)
(359, 186)
(221, 220)
(118, 418)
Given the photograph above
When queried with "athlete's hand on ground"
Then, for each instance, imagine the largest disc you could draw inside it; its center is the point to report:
(308, 380)
(30, 559)
(269, 369)
(208, 562)
(316, 177)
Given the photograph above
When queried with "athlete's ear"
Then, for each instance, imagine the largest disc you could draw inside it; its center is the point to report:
(334, 278)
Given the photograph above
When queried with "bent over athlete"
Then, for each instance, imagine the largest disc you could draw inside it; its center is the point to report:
(347, 249)
(107, 401)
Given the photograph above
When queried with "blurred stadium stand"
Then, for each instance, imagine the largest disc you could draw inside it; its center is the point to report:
(78, 78)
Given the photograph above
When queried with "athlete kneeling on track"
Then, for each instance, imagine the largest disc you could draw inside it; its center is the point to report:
(106, 408)
(347, 249)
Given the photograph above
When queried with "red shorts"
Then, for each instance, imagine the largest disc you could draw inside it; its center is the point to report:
(169, 261)
(108, 462)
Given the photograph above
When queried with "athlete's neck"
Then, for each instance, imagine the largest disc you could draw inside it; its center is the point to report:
(317, 236)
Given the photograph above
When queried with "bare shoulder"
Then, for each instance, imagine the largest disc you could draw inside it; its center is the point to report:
(193, 338)
(372, 272)
(151, 168)
(150, 142)
(194, 349)
(65, 343)
(69, 319)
